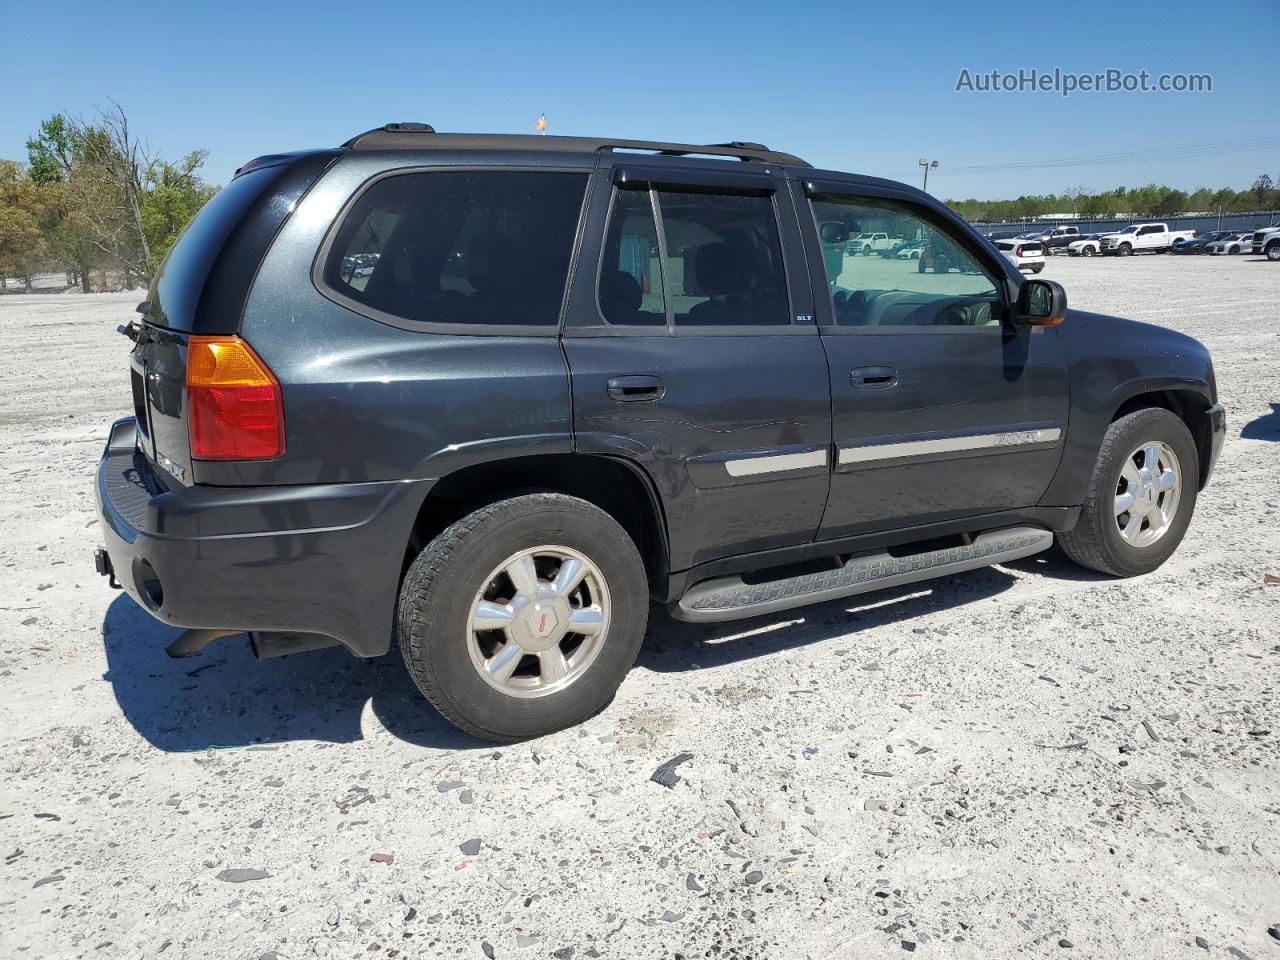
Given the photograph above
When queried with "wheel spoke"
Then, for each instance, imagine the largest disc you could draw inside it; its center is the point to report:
(503, 663)
(524, 575)
(554, 665)
(1124, 501)
(1155, 520)
(1131, 529)
(1150, 457)
(492, 616)
(571, 573)
(1168, 480)
(1130, 472)
(586, 621)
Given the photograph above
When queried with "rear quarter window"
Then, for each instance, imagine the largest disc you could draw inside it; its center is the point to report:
(469, 248)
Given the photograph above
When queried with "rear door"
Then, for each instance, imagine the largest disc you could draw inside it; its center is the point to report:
(693, 354)
(941, 408)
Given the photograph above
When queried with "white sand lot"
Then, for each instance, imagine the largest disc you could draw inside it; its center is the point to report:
(983, 767)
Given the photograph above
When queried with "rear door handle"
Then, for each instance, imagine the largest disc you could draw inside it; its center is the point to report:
(636, 389)
(874, 378)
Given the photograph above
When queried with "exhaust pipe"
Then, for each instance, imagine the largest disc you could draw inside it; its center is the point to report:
(268, 645)
(191, 642)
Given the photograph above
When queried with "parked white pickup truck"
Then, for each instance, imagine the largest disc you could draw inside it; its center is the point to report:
(1142, 238)
(1267, 240)
(868, 243)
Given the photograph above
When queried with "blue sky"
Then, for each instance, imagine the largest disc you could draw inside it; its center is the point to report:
(862, 87)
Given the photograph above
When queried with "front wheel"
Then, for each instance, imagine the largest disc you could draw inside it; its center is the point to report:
(1125, 250)
(1141, 496)
(523, 617)
(1273, 252)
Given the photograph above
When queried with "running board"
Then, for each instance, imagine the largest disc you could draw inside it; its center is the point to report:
(729, 598)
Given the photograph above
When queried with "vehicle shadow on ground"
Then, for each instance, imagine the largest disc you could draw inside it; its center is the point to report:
(225, 697)
(1265, 427)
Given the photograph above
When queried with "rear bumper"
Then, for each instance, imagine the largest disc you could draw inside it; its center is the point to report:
(317, 558)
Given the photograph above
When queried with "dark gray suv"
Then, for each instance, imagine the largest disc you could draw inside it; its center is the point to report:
(493, 395)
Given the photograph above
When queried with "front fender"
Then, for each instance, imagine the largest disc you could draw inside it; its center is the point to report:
(1110, 361)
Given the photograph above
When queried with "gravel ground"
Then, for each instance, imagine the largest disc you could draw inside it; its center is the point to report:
(1022, 761)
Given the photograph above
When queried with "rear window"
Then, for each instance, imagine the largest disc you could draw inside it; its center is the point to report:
(202, 285)
(175, 291)
(473, 247)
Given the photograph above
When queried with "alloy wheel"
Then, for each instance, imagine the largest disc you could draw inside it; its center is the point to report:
(538, 621)
(1147, 494)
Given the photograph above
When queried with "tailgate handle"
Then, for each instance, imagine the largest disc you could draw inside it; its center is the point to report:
(874, 378)
(636, 389)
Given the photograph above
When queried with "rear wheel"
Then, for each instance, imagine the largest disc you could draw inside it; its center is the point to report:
(1037, 267)
(524, 616)
(1141, 496)
(1087, 252)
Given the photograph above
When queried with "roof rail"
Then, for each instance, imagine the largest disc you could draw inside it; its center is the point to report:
(416, 136)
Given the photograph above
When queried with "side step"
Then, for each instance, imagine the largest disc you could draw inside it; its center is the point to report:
(729, 598)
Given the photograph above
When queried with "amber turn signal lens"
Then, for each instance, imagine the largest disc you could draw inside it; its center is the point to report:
(234, 406)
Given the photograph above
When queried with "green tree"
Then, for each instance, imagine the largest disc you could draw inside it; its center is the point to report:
(1261, 189)
(22, 243)
(175, 193)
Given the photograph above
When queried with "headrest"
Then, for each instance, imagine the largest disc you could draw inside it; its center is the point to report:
(719, 269)
(488, 255)
(620, 296)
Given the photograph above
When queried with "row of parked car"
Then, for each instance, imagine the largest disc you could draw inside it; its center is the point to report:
(1144, 238)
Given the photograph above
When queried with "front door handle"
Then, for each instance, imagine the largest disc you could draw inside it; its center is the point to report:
(874, 378)
(636, 389)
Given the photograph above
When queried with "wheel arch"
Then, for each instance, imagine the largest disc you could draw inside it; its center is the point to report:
(1190, 406)
(614, 484)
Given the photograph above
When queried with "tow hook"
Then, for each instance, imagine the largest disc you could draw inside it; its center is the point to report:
(102, 563)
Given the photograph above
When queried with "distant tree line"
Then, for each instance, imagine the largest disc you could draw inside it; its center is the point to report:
(1151, 200)
(93, 197)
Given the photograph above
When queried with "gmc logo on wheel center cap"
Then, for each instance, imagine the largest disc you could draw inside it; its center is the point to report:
(542, 621)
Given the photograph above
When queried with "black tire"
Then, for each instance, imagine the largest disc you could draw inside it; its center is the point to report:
(441, 584)
(1095, 542)
(1087, 252)
(1037, 267)
(1124, 250)
(1273, 251)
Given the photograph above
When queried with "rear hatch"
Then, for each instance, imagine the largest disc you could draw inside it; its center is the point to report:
(200, 290)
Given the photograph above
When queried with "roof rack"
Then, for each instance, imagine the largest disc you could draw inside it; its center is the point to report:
(411, 136)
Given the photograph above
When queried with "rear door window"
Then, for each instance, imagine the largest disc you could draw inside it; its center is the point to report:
(470, 248)
(724, 259)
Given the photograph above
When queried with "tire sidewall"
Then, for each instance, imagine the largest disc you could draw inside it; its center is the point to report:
(1145, 427)
(440, 629)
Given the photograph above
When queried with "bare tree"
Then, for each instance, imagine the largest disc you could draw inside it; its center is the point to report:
(1073, 196)
(108, 182)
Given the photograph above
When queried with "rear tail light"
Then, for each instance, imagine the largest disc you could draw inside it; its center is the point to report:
(234, 407)
(1017, 251)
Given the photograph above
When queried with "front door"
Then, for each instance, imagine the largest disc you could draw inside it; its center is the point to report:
(942, 408)
(687, 356)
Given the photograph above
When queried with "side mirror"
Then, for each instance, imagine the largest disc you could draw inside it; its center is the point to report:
(1042, 303)
(833, 232)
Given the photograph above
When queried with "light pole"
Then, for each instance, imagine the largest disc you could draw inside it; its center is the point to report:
(927, 164)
